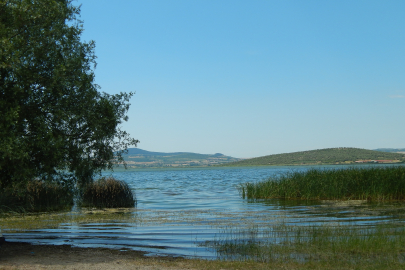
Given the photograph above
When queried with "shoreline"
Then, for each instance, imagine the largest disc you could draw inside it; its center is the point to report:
(22, 255)
(25, 256)
(224, 166)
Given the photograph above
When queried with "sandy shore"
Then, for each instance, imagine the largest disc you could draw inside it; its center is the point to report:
(26, 256)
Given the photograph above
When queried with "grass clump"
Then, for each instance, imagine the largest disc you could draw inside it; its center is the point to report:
(108, 193)
(372, 184)
(36, 196)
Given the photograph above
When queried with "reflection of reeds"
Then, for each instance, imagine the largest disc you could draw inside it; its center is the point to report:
(343, 244)
(108, 193)
(36, 196)
(373, 184)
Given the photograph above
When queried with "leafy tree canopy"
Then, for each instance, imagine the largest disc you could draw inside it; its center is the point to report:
(55, 124)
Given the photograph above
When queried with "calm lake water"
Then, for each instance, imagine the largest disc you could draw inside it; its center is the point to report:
(179, 210)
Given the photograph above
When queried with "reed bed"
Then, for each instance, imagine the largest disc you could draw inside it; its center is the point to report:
(341, 245)
(36, 196)
(372, 184)
(108, 193)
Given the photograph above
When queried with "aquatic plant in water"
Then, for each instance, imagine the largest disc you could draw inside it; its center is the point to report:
(108, 193)
(345, 245)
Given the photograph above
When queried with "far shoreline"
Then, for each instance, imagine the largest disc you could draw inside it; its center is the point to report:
(122, 169)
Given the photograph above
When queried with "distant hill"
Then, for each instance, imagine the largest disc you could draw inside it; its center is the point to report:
(341, 155)
(139, 158)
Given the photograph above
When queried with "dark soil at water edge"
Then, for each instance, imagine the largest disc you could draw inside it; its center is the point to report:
(14, 256)
(27, 256)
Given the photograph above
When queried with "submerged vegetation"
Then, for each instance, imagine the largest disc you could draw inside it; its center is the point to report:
(108, 193)
(381, 246)
(372, 184)
(17, 222)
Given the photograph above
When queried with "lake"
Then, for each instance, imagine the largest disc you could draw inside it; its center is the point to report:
(179, 211)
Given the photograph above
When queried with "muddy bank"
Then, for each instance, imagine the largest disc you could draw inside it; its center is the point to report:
(27, 256)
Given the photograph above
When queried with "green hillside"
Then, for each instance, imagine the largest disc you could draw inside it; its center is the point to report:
(341, 155)
(138, 158)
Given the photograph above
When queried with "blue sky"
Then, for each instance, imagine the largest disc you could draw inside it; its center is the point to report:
(253, 78)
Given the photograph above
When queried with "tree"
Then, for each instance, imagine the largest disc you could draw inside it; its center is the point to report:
(55, 125)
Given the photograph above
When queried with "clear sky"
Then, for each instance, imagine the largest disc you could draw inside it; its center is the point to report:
(254, 78)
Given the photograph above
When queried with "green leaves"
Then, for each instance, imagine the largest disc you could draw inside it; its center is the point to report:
(54, 118)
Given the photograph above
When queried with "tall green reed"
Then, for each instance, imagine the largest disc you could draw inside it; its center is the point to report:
(372, 183)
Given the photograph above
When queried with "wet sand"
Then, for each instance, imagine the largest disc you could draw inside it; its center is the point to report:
(26, 256)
